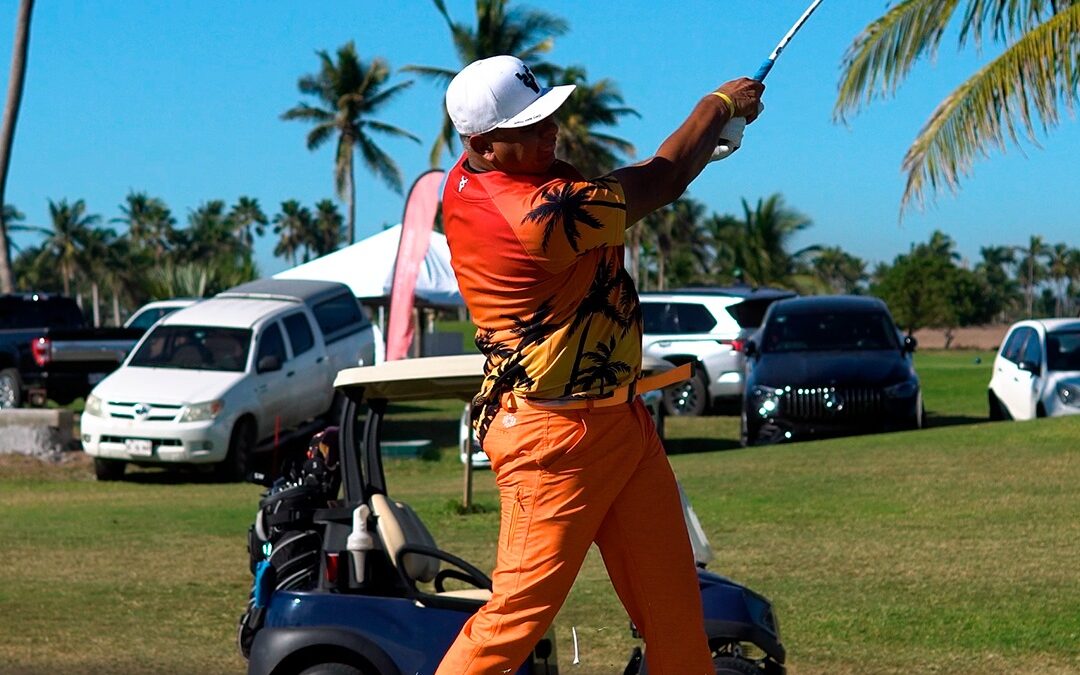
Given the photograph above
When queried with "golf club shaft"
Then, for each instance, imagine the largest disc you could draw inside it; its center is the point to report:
(769, 62)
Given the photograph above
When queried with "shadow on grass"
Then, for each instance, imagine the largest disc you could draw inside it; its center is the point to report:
(934, 421)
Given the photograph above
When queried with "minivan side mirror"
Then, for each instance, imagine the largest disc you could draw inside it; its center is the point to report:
(268, 364)
(910, 343)
(750, 348)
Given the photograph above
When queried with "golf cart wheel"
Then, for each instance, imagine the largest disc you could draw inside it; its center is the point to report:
(10, 389)
(109, 469)
(332, 669)
(726, 665)
(689, 398)
(237, 463)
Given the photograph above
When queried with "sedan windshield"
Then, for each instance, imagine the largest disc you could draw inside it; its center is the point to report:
(1063, 350)
(194, 348)
(859, 331)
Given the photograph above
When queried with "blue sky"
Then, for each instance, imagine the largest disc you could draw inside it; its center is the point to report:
(182, 100)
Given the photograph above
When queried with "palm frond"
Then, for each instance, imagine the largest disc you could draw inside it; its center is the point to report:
(882, 55)
(319, 135)
(1008, 95)
(389, 129)
(387, 94)
(380, 164)
(440, 76)
(303, 111)
(1005, 19)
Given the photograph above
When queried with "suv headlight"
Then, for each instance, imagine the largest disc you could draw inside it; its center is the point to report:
(199, 412)
(1069, 394)
(903, 390)
(765, 399)
(93, 406)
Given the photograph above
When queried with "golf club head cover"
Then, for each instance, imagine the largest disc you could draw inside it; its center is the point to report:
(731, 136)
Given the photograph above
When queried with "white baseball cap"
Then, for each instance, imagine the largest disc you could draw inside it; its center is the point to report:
(500, 93)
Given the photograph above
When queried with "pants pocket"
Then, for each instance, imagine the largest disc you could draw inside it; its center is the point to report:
(563, 445)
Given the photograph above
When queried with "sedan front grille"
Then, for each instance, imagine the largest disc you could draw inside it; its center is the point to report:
(830, 403)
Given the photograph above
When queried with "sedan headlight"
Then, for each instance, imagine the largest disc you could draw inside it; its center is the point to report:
(1069, 394)
(200, 412)
(765, 399)
(93, 406)
(903, 390)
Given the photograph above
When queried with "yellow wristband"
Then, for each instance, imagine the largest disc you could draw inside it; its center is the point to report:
(726, 99)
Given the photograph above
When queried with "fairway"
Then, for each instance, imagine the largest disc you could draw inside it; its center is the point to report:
(955, 549)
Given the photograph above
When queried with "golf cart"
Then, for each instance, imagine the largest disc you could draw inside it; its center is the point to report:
(349, 581)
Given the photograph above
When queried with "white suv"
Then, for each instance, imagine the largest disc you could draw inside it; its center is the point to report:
(704, 326)
(1037, 371)
(210, 383)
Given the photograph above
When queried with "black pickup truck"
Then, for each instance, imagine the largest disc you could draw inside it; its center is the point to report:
(48, 352)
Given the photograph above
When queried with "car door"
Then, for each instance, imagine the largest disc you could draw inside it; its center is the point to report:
(273, 384)
(310, 383)
(1010, 384)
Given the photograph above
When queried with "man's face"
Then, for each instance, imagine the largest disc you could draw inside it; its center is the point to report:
(529, 150)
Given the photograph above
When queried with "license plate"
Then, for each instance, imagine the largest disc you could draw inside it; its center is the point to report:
(139, 447)
(94, 378)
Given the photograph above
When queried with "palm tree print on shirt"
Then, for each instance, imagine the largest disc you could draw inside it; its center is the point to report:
(567, 205)
(597, 301)
(603, 371)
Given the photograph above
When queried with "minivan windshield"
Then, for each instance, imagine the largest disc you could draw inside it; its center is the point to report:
(194, 348)
(829, 331)
(1063, 350)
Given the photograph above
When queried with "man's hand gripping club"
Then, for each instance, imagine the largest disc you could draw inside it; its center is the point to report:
(744, 107)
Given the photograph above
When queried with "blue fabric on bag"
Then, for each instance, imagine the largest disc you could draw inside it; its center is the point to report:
(264, 583)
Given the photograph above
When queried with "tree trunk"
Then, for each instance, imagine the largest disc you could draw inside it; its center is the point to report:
(7, 131)
(95, 298)
(352, 202)
(116, 309)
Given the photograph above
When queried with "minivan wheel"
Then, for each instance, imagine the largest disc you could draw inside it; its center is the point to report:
(237, 463)
(109, 469)
(332, 669)
(689, 398)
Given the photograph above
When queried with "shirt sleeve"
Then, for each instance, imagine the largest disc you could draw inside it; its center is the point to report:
(566, 218)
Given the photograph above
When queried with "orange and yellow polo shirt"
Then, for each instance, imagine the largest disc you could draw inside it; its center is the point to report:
(539, 262)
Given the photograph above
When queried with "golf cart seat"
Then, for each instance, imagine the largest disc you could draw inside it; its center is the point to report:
(417, 558)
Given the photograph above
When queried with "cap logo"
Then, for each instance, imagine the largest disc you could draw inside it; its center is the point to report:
(528, 80)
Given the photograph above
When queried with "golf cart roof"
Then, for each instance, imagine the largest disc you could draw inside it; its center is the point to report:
(430, 377)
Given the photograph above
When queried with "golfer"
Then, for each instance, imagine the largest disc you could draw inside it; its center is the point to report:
(538, 254)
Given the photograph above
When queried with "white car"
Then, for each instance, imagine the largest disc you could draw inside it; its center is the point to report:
(1037, 371)
(209, 384)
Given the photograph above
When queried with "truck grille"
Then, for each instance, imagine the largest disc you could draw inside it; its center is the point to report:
(151, 412)
(831, 403)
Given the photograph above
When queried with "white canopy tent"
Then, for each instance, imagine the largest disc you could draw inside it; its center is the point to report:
(367, 267)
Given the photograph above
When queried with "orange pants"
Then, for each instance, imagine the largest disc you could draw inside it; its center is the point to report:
(567, 479)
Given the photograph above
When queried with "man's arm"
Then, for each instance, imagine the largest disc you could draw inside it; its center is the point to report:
(662, 178)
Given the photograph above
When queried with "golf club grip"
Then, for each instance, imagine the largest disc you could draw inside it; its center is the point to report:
(766, 66)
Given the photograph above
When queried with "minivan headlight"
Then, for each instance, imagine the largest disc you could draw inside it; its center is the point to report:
(1069, 394)
(903, 390)
(200, 412)
(93, 406)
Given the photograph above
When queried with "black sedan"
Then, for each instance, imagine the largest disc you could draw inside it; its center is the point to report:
(826, 366)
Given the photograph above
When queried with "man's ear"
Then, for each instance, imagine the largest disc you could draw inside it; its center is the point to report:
(480, 145)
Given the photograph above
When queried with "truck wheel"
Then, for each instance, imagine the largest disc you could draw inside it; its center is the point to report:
(109, 469)
(237, 463)
(10, 389)
(689, 398)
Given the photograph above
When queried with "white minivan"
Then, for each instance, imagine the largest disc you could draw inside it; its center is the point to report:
(211, 383)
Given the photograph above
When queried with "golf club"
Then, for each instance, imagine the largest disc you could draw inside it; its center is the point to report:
(732, 133)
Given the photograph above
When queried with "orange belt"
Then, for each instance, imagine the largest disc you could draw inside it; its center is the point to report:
(619, 396)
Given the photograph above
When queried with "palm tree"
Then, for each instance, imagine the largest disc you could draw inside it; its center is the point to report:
(66, 242)
(840, 271)
(210, 236)
(149, 222)
(7, 131)
(603, 371)
(1019, 92)
(293, 227)
(246, 215)
(597, 301)
(1033, 267)
(350, 92)
(591, 106)
(994, 268)
(675, 227)
(327, 231)
(524, 33)
(1059, 269)
(758, 243)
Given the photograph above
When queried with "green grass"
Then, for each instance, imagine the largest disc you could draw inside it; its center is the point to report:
(954, 549)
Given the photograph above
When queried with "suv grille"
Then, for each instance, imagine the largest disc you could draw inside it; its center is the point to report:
(830, 403)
